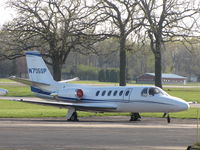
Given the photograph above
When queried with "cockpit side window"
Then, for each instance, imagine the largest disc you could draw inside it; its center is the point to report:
(153, 91)
(144, 92)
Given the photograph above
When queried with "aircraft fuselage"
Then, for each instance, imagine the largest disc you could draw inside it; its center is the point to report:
(127, 99)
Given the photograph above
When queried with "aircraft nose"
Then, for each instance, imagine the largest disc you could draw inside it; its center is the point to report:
(183, 106)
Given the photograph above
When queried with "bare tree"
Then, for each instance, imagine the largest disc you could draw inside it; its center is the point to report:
(123, 18)
(168, 20)
(54, 27)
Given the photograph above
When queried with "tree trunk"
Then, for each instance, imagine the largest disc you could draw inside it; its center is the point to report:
(122, 62)
(57, 67)
(158, 66)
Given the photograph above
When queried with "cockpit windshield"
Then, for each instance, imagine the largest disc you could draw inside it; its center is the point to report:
(152, 91)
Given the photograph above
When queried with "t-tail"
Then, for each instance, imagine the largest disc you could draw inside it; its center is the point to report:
(37, 69)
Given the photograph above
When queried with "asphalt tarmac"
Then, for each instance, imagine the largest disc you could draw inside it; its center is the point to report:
(96, 133)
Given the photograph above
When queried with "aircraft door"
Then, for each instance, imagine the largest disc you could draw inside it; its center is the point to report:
(127, 94)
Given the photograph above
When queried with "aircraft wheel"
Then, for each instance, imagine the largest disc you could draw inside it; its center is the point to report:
(135, 117)
(168, 118)
(74, 117)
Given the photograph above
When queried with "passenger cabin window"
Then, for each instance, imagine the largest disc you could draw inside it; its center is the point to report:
(127, 92)
(115, 93)
(109, 93)
(97, 93)
(103, 93)
(120, 93)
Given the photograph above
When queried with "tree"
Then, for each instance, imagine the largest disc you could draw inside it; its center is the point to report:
(123, 21)
(54, 27)
(167, 20)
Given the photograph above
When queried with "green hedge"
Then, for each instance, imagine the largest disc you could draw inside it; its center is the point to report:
(87, 72)
(109, 75)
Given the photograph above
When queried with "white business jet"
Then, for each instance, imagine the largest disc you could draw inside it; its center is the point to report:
(95, 98)
(3, 92)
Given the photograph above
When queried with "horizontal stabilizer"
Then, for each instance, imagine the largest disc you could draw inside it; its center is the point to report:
(79, 106)
(28, 82)
(70, 80)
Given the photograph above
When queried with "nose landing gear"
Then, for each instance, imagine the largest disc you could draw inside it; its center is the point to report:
(168, 117)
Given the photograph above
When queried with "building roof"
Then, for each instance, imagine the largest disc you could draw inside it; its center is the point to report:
(167, 75)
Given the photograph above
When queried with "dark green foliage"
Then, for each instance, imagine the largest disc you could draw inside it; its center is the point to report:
(102, 76)
(109, 75)
(114, 75)
(87, 72)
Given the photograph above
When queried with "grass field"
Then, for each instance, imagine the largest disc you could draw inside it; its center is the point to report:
(11, 109)
(189, 114)
(15, 90)
(18, 109)
(5, 80)
(188, 94)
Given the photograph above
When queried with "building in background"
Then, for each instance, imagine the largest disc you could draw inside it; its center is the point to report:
(149, 78)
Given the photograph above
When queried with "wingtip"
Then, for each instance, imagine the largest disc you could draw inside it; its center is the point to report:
(12, 77)
(77, 78)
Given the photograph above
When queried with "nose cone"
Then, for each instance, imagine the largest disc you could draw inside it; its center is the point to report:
(183, 106)
(179, 104)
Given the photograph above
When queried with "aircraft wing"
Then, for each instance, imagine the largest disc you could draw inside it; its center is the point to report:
(27, 82)
(78, 106)
(3, 91)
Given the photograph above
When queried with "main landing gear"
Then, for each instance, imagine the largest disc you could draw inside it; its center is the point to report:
(72, 115)
(135, 116)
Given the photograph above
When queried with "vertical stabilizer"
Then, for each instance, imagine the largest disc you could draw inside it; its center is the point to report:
(37, 68)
